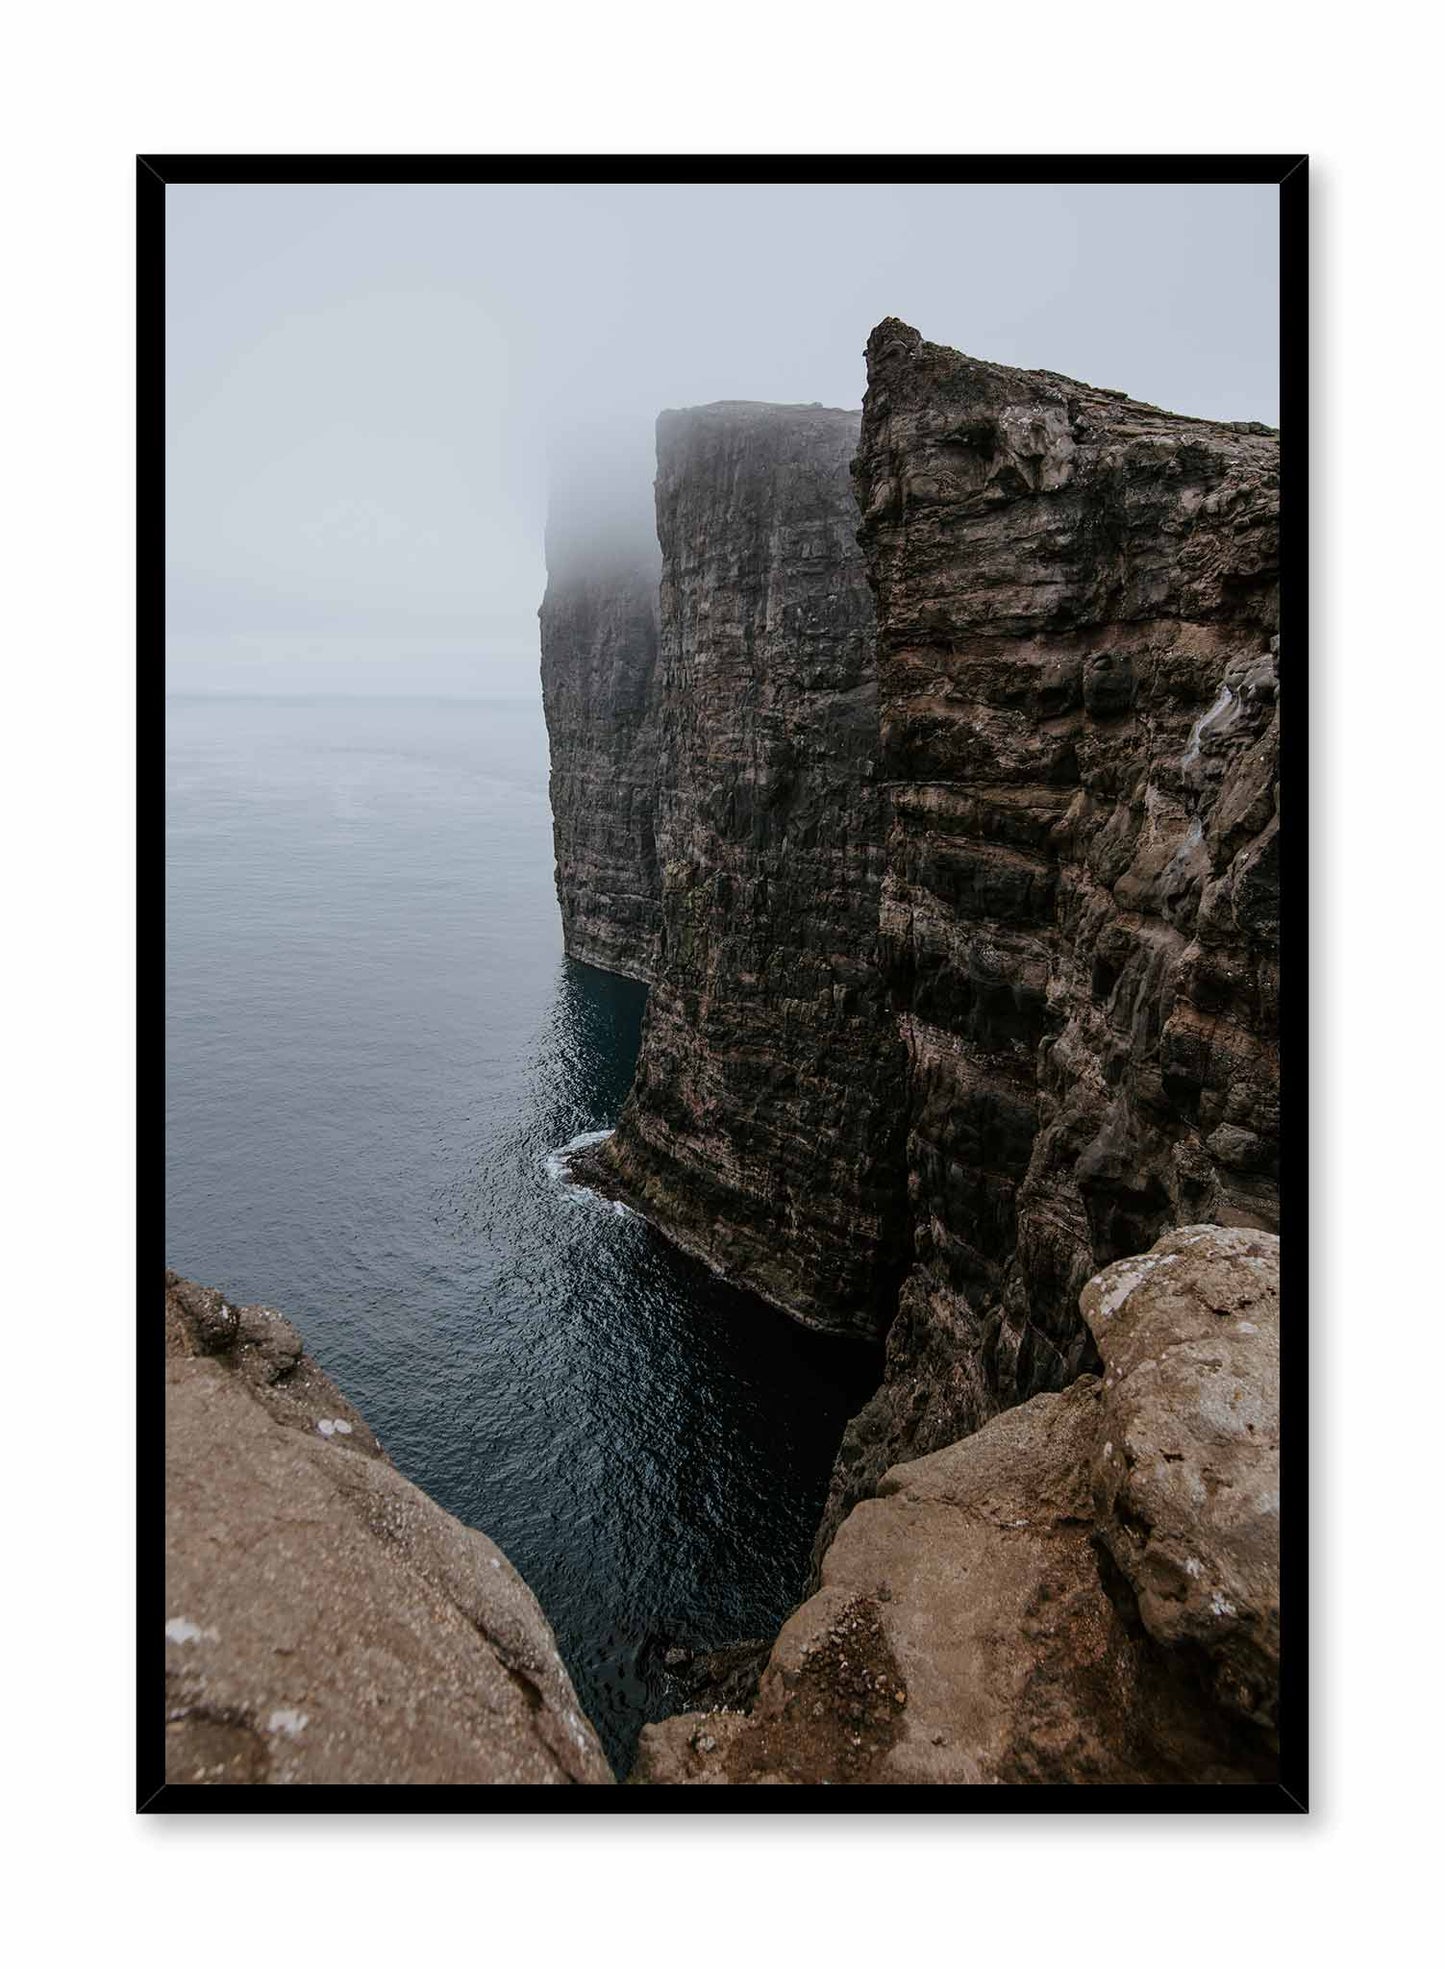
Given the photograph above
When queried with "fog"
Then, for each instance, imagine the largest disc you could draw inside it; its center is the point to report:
(368, 387)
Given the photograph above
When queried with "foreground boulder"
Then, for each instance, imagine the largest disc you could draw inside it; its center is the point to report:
(1085, 1591)
(1186, 1483)
(326, 1622)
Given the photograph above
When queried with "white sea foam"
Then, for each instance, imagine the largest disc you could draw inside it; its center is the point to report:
(557, 1159)
(558, 1164)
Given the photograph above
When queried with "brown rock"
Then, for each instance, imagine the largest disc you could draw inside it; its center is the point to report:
(325, 1621)
(1186, 1480)
(1078, 699)
(978, 1620)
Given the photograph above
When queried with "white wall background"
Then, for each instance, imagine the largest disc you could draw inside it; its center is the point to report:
(84, 88)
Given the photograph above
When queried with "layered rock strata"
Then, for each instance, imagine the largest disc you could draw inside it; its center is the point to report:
(1078, 692)
(327, 1623)
(762, 1128)
(1085, 1591)
(600, 697)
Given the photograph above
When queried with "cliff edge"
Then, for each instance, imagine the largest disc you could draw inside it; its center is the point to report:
(326, 1622)
(1085, 1591)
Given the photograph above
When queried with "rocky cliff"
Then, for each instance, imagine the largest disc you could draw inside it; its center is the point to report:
(327, 1623)
(968, 959)
(600, 697)
(967, 988)
(1084, 1591)
(1078, 731)
(762, 1129)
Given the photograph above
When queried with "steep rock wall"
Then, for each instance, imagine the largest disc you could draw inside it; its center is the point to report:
(1077, 650)
(761, 1131)
(600, 698)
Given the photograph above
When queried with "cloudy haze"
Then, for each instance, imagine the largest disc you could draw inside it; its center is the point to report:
(365, 384)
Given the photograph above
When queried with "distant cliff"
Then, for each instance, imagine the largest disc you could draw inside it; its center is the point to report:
(762, 1127)
(600, 696)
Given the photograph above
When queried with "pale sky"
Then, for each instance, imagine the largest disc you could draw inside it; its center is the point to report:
(364, 384)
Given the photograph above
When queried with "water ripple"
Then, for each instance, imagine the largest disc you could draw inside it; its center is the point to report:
(374, 1051)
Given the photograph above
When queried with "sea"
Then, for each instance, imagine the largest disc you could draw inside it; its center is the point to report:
(376, 1058)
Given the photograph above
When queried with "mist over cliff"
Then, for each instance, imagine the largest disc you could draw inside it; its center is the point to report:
(371, 389)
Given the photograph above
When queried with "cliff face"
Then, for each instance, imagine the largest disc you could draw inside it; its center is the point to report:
(1076, 630)
(600, 697)
(1085, 1591)
(762, 1127)
(968, 962)
(327, 1623)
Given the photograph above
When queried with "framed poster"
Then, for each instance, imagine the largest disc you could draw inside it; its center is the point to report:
(733, 964)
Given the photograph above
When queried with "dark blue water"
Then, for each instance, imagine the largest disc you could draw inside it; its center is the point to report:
(373, 1046)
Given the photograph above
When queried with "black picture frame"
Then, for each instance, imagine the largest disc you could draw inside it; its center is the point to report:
(1290, 172)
